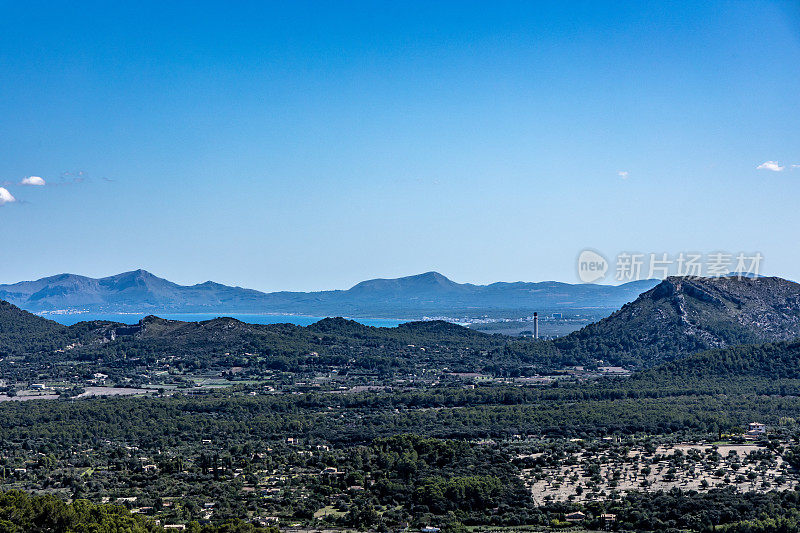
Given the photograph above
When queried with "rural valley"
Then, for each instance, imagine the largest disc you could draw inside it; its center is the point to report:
(429, 424)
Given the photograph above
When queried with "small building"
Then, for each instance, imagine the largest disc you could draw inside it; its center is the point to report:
(755, 430)
(577, 516)
(613, 370)
(608, 518)
(430, 529)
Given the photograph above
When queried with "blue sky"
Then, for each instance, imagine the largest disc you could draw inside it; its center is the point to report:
(313, 145)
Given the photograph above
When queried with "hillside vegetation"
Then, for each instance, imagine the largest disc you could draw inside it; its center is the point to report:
(676, 318)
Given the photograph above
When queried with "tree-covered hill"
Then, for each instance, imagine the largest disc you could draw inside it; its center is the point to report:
(222, 343)
(22, 332)
(681, 316)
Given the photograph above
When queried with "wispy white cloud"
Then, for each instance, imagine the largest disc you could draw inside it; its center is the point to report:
(770, 165)
(33, 180)
(623, 174)
(6, 197)
(72, 178)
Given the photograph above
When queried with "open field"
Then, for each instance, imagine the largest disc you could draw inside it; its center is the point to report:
(88, 393)
(588, 475)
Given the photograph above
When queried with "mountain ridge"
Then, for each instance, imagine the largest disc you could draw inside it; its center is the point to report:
(405, 297)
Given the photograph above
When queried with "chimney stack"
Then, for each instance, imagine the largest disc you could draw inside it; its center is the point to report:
(535, 325)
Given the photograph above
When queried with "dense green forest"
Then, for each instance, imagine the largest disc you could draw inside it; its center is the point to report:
(715, 510)
(443, 455)
(339, 425)
(772, 361)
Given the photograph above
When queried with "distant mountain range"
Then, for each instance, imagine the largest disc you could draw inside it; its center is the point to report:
(409, 297)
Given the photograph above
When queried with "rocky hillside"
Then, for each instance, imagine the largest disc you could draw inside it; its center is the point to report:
(681, 316)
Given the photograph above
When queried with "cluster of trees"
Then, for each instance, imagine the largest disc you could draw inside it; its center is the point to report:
(438, 476)
(621, 406)
(773, 361)
(166, 421)
(715, 510)
(416, 480)
(24, 513)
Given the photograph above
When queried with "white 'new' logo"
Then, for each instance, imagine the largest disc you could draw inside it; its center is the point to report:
(592, 267)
